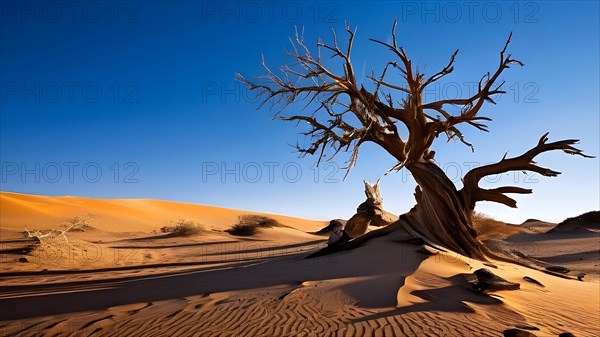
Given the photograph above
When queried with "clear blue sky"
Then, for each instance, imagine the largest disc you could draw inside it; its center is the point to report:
(138, 100)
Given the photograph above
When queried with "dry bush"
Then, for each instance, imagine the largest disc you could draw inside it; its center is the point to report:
(242, 230)
(258, 220)
(249, 225)
(490, 228)
(79, 223)
(183, 227)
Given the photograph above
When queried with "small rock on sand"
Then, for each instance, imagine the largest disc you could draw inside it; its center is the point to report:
(558, 269)
(486, 280)
(517, 333)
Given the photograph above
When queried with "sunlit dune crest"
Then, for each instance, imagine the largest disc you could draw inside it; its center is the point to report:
(19, 210)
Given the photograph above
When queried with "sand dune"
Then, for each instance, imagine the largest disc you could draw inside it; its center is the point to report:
(132, 282)
(582, 224)
(123, 215)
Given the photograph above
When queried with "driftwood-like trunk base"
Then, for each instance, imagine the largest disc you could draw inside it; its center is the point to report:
(441, 217)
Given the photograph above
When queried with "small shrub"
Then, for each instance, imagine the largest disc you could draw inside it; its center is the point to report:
(249, 225)
(183, 228)
(258, 220)
(490, 228)
(243, 230)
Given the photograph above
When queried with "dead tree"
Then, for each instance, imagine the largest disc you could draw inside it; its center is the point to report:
(346, 115)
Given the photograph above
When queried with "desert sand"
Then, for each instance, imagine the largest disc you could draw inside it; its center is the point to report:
(121, 276)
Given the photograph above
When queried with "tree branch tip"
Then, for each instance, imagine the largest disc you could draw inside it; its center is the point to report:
(543, 138)
(507, 43)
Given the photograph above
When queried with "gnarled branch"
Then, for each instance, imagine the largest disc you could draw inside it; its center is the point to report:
(472, 192)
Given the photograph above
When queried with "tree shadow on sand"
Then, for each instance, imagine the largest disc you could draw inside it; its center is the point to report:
(458, 297)
(368, 266)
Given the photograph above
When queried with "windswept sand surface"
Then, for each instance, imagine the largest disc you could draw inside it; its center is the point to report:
(120, 279)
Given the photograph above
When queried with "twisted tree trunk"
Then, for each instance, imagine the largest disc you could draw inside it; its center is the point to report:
(441, 217)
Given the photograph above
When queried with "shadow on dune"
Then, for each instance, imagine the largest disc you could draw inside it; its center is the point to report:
(366, 263)
(219, 250)
(453, 298)
(195, 244)
(267, 248)
(589, 255)
(175, 235)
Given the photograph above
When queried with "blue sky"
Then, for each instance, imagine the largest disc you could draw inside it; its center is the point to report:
(138, 100)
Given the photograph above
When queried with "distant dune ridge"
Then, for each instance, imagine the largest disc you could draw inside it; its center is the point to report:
(123, 277)
(584, 223)
(19, 210)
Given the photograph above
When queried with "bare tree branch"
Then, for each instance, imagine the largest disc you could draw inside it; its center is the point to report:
(470, 106)
(473, 193)
(447, 70)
